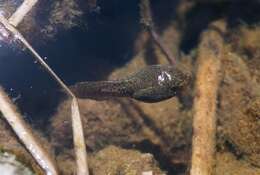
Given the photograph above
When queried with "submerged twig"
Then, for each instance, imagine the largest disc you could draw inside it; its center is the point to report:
(24, 133)
(79, 143)
(77, 131)
(147, 21)
(21, 12)
(204, 120)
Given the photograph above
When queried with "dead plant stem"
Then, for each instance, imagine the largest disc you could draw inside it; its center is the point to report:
(147, 21)
(80, 151)
(21, 12)
(24, 133)
(210, 52)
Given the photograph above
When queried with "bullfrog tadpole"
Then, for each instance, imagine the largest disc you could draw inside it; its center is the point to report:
(151, 84)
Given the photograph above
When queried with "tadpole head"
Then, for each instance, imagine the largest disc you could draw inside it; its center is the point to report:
(176, 77)
(184, 88)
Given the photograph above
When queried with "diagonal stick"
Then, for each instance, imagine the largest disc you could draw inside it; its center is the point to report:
(80, 151)
(21, 11)
(147, 22)
(24, 133)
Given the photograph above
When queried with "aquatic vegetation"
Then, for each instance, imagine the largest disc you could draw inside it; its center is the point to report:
(244, 94)
(63, 14)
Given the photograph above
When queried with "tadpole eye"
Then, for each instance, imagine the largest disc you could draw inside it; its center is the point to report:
(163, 78)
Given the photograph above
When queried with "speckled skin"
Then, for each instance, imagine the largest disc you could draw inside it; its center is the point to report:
(151, 84)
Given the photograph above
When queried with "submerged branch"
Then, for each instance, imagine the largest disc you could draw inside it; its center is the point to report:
(24, 133)
(21, 12)
(79, 143)
(204, 120)
(147, 21)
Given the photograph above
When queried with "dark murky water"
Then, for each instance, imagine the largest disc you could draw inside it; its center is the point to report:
(83, 53)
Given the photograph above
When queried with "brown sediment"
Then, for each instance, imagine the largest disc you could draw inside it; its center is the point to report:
(105, 122)
(239, 94)
(210, 53)
(125, 122)
(238, 109)
(114, 160)
(228, 164)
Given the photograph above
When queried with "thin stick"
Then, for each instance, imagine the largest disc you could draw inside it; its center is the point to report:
(22, 10)
(24, 134)
(79, 143)
(147, 21)
(77, 131)
(166, 51)
(204, 120)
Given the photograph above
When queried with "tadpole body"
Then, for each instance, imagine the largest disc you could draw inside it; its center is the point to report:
(151, 84)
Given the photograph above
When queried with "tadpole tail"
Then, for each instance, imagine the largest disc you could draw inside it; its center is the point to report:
(99, 90)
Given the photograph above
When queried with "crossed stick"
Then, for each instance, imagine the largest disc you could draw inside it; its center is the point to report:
(15, 120)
